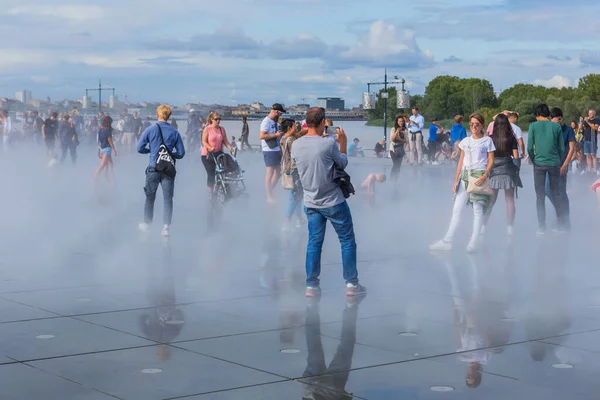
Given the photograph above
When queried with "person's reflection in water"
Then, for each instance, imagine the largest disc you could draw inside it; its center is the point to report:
(472, 341)
(549, 312)
(164, 322)
(329, 383)
(284, 281)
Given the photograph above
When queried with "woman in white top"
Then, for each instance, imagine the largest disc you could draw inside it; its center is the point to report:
(476, 160)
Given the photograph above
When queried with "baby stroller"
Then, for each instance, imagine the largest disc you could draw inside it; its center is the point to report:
(229, 179)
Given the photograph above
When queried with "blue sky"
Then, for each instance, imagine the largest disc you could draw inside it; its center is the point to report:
(238, 51)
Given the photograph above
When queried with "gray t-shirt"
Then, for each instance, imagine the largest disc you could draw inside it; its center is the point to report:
(315, 157)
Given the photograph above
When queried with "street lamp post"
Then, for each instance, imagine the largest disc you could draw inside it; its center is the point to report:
(385, 96)
(99, 90)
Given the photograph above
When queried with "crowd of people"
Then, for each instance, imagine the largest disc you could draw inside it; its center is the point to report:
(310, 158)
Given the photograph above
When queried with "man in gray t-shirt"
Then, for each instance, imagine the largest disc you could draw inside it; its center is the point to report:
(315, 158)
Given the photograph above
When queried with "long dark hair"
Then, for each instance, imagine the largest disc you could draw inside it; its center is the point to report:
(107, 123)
(396, 126)
(503, 135)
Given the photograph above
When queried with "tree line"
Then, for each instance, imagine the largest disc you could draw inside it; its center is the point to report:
(447, 96)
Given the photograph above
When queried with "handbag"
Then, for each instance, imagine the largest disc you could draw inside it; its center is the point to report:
(287, 180)
(485, 188)
(165, 163)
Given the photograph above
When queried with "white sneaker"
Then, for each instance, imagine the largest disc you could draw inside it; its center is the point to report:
(472, 247)
(540, 231)
(166, 231)
(583, 172)
(435, 163)
(441, 246)
(427, 162)
(509, 230)
(144, 227)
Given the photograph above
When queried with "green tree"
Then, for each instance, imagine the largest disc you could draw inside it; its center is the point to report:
(590, 86)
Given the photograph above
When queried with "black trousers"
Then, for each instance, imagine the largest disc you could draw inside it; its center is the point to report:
(539, 179)
(71, 148)
(211, 168)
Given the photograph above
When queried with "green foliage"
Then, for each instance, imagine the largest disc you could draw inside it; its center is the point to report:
(447, 96)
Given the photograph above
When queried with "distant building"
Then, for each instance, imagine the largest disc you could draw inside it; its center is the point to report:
(256, 106)
(331, 103)
(24, 96)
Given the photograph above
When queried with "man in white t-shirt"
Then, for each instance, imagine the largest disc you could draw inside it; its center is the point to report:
(415, 130)
(270, 135)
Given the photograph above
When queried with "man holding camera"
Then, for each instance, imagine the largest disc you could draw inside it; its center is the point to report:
(590, 125)
(316, 158)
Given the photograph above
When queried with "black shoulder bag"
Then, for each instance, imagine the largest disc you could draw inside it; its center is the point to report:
(165, 163)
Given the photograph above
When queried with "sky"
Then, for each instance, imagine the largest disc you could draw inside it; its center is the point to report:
(290, 51)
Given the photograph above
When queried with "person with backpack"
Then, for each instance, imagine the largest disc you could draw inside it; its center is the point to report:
(319, 162)
(164, 144)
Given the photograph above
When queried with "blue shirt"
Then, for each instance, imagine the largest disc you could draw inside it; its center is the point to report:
(433, 133)
(457, 133)
(151, 137)
(568, 136)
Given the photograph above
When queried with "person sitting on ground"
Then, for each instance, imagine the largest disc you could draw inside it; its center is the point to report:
(369, 182)
(355, 149)
(379, 150)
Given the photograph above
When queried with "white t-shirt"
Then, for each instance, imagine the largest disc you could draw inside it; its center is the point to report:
(476, 152)
(519, 135)
(270, 127)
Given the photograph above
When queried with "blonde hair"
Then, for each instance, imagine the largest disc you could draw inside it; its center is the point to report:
(211, 116)
(164, 112)
(479, 117)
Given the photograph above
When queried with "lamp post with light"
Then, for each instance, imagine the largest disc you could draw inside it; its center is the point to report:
(402, 99)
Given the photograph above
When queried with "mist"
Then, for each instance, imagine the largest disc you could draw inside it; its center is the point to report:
(213, 306)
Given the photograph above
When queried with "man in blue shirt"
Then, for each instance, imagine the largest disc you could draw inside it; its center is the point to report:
(149, 143)
(432, 147)
(569, 139)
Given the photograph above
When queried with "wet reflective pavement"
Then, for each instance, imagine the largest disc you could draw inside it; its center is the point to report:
(92, 309)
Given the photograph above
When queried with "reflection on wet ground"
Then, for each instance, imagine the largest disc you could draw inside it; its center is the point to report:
(91, 309)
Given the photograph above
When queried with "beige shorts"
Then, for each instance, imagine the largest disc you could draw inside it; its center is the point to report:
(128, 138)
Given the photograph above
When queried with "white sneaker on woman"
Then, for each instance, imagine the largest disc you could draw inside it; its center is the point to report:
(441, 246)
(472, 247)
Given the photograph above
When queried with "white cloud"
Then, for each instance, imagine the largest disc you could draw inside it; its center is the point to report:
(386, 45)
(71, 13)
(556, 81)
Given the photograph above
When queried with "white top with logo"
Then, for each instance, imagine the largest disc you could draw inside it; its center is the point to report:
(270, 127)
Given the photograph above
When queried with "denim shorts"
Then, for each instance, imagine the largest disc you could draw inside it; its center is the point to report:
(107, 151)
(272, 158)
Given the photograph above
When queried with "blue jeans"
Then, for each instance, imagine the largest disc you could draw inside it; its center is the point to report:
(153, 179)
(341, 219)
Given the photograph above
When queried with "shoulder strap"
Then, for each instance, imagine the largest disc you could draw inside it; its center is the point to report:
(162, 140)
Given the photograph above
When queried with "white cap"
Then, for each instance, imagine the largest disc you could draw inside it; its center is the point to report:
(192, 110)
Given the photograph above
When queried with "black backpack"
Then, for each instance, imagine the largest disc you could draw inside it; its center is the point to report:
(165, 163)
